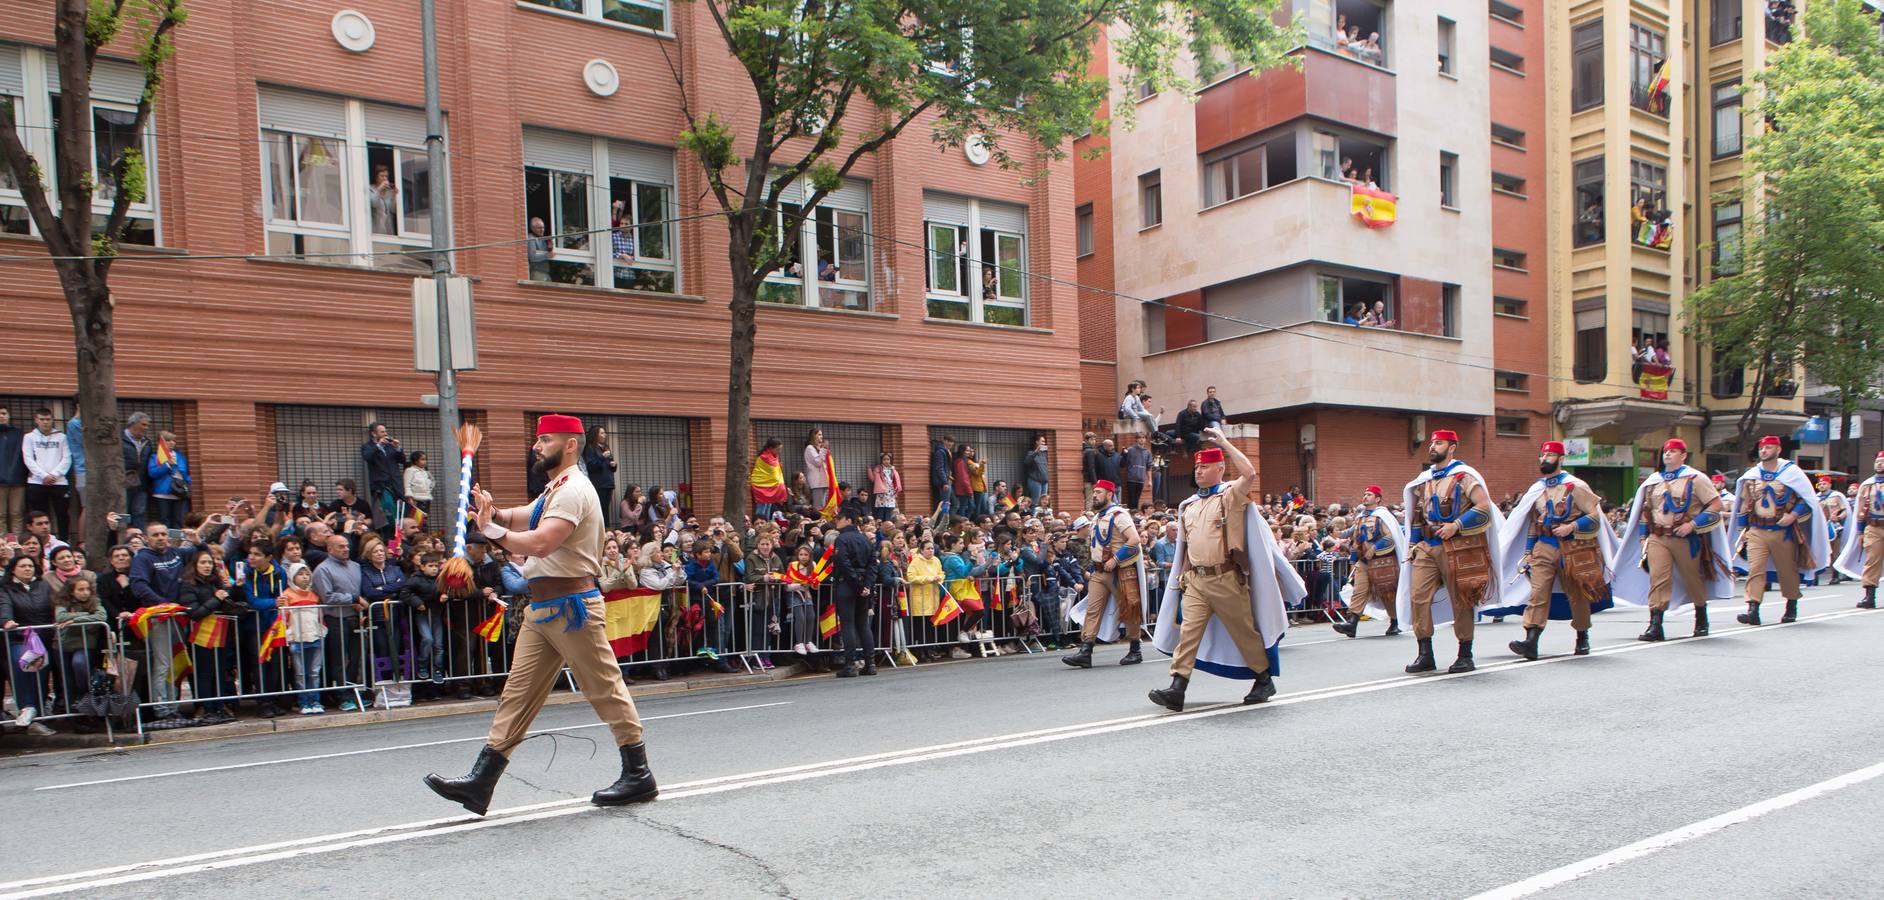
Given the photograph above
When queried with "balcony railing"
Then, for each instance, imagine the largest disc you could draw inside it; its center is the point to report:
(1649, 101)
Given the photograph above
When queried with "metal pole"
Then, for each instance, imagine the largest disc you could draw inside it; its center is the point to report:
(445, 498)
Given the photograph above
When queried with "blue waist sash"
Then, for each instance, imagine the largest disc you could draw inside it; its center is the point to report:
(572, 608)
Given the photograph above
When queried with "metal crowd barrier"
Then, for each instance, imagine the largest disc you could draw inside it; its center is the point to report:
(59, 686)
(1323, 602)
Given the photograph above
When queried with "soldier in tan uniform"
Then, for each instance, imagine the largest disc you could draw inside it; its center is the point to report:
(561, 536)
(1679, 511)
(1863, 556)
(1562, 525)
(1833, 503)
(1214, 572)
(1114, 578)
(1374, 564)
(1449, 513)
(1776, 513)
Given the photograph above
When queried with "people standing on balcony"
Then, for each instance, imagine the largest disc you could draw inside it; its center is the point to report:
(1106, 463)
(537, 250)
(1088, 457)
(1370, 50)
(384, 460)
(169, 473)
(1381, 318)
(977, 481)
(942, 475)
(137, 448)
(48, 459)
(598, 463)
(1137, 472)
(419, 483)
(886, 484)
(962, 483)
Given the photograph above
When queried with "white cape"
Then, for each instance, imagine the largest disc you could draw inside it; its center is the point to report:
(1794, 477)
(1630, 584)
(1390, 525)
(1109, 622)
(1442, 602)
(1273, 587)
(1851, 549)
(1515, 586)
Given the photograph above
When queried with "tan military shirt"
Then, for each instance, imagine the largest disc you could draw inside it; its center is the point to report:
(1767, 505)
(1108, 532)
(1210, 532)
(569, 496)
(1695, 487)
(1582, 502)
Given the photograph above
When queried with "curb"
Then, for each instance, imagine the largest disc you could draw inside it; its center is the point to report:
(13, 741)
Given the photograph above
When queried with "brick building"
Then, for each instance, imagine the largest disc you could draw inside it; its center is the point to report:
(271, 132)
(1233, 211)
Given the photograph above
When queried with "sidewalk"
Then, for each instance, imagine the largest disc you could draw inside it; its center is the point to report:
(15, 740)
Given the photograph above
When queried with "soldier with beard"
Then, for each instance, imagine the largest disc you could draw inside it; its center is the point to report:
(565, 625)
(1556, 534)
(1449, 515)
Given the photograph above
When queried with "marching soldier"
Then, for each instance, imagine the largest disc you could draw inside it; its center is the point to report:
(1374, 579)
(1834, 505)
(1566, 549)
(1785, 529)
(1862, 555)
(1450, 520)
(1224, 610)
(1115, 590)
(1677, 523)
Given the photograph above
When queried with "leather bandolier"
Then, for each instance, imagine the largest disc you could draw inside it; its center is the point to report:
(1468, 555)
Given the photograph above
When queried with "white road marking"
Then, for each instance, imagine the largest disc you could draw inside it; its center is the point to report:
(1566, 874)
(465, 740)
(310, 846)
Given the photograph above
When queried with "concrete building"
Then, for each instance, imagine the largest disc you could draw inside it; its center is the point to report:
(1646, 179)
(294, 133)
(1234, 210)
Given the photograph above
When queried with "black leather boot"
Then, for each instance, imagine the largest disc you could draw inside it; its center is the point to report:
(1583, 643)
(1792, 612)
(1464, 662)
(1263, 689)
(1527, 648)
(636, 784)
(1870, 598)
(1654, 631)
(1081, 658)
(1751, 616)
(1351, 627)
(1172, 698)
(1700, 621)
(1132, 657)
(473, 791)
(1424, 661)
(1393, 627)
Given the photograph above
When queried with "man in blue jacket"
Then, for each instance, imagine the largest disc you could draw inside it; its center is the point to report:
(941, 474)
(853, 568)
(136, 445)
(385, 460)
(157, 577)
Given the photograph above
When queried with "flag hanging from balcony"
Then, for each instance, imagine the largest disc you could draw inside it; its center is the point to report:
(1373, 206)
(1655, 379)
(1659, 86)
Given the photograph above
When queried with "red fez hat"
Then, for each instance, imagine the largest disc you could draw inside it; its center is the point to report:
(1825, 479)
(1375, 490)
(1444, 434)
(1880, 454)
(557, 424)
(1553, 447)
(1719, 478)
(1675, 444)
(1105, 485)
(1208, 455)
(1770, 440)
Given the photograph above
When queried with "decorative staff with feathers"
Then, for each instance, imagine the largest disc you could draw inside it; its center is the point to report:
(456, 578)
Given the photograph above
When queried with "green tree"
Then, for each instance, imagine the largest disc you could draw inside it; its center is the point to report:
(1009, 73)
(1805, 292)
(83, 250)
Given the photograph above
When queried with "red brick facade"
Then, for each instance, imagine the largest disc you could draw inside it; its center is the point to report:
(227, 340)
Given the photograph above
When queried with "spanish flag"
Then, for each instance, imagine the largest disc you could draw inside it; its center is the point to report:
(1655, 381)
(831, 496)
(1660, 85)
(827, 623)
(212, 633)
(965, 593)
(768, 480)
(492, 629)
(275, 638)
(946, 611)
(142, 619)
(630, 616)
(819, 570)
(180, 664)
(1373, 206)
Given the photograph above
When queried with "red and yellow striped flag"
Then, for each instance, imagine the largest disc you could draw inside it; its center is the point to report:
(947, 611)
(275, 638)
(768, 480)
(141, 620)
(211, 633)
(492, 629)
(180, 664)
(630, 616)
(819, 570)
(1373, 206)
(827, 623)
(832, 496)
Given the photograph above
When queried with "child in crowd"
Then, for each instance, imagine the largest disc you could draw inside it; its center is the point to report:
(306, 633)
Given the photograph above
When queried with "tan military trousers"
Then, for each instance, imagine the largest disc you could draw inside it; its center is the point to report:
(1225, 596)
(1767, 547)
(1430, 573)
(541, 652)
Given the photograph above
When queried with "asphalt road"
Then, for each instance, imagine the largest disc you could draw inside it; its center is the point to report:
(1693, 768)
